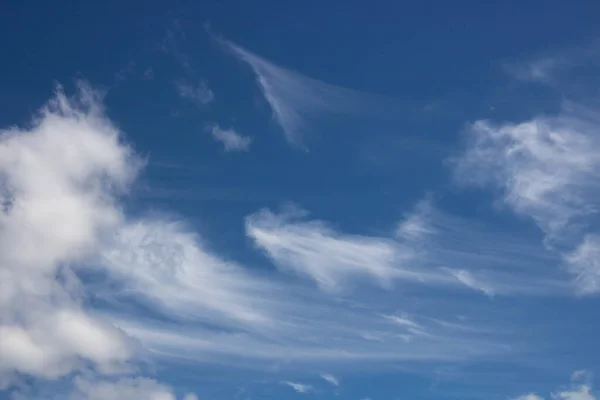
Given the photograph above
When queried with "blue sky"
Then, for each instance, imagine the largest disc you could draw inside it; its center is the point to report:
(267, 200)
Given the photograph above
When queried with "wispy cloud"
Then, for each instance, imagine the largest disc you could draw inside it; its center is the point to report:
(331, 379)
(198, 93)
(313, 249)
(432, 249)
(298, 102)
(299, 387)
(481, 258)
(469, 280)
(164, 262)
(584, 263)
(171, 44)
(558, 68)
(546, 169)
(231, 140)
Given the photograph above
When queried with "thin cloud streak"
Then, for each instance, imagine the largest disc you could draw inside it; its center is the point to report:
(299, 387)
(431, 249)
(298, 102)
(330, 379)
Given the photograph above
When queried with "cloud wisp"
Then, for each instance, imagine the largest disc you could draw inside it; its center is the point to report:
(298, 102)
(559, 69)
(199, 94)
(299, 387)
(329, 378)
(232, 141)
(545, 169)
(313, 249)
(431, 249)
(492, 262)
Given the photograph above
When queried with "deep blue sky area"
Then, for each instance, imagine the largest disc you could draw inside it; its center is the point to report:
(329, 200)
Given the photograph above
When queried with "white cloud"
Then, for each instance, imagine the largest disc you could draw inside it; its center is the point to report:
(199, 94)
(311, 327)
(572, 392)
(402, 321)
(476, 255)
(125, 388)
(548, 170)
(582, 392)
(231, 140)
(166, 263)
(581, 375)
(331, 379)
(59, 183)
(465, 277)
(299, 387)
(298, 102)
(437, 250)
(546, 167)
(313, 249)
(584, 263)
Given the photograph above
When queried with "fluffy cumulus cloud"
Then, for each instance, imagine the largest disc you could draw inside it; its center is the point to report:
(60, 183)
(231, 140)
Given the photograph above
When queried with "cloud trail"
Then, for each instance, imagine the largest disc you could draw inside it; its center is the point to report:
(298, 103)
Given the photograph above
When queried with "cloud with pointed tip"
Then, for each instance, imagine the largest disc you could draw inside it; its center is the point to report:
(329, 378)
(299, 387)
(298, 102)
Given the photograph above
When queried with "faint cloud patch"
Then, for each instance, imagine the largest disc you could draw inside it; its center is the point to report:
(199, 94)
(231, 140)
